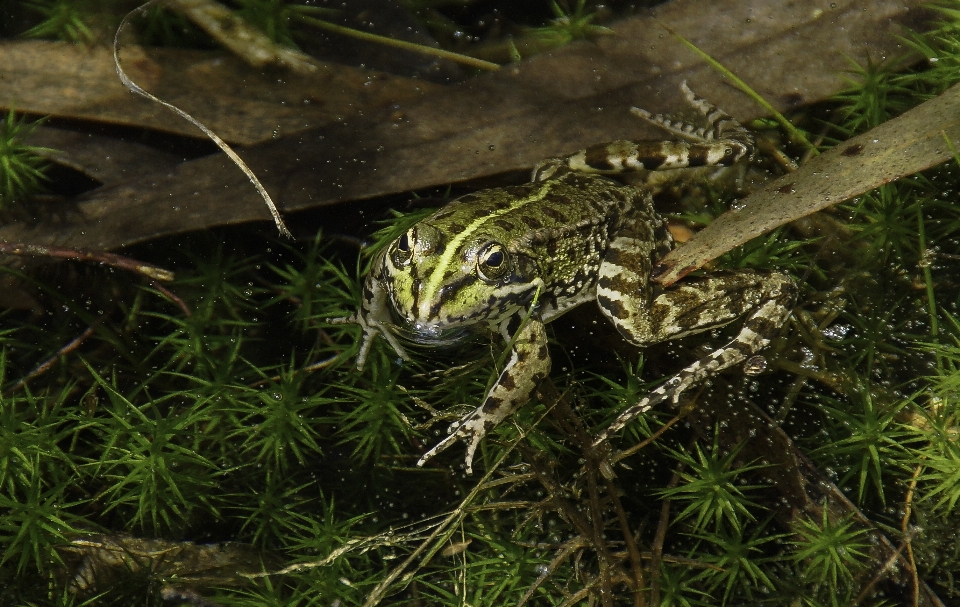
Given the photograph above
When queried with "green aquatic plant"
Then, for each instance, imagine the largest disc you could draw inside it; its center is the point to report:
(62, 20)
(22, 166)
(709, 493)
(569, 25)
(151, 467)
(831, 552)
(738, 565)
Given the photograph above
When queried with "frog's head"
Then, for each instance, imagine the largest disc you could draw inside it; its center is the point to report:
(442, 281)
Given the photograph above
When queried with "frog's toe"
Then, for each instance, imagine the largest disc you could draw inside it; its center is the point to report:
(471, 451)
(440, 447)
(471, 428)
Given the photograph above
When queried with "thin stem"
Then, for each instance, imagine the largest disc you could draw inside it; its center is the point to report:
(48, 364)
(661, 537)
(795, 135)
(904, 526)
(401, 44)
(101, 257)
(925, 259)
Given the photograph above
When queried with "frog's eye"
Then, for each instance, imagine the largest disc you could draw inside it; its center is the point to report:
(492, 262)
(402, 251)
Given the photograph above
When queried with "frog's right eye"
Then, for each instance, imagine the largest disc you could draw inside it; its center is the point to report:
(492, 262)
(402, 250)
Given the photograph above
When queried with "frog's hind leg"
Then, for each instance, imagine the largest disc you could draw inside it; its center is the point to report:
(722, 142)
(694, 306)
(720, 127)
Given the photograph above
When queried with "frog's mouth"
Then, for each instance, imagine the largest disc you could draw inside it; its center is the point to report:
(430, 334)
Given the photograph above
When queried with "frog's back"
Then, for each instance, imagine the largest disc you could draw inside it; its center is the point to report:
(548, 218)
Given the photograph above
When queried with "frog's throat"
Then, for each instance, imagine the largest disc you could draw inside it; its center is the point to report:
(446, 258)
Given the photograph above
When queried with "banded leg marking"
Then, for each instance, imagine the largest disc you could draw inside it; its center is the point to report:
(723, 142)
(529, 364)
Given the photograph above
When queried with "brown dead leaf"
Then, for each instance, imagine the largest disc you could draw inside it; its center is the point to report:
(109, 160)
(791, 52)
(915, 141)
(243, 106)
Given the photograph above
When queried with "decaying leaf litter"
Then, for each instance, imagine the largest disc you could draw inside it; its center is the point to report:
(806, 501)
(481, 127)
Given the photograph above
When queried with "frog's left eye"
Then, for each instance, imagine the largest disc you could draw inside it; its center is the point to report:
(492, 262)
(402, 250)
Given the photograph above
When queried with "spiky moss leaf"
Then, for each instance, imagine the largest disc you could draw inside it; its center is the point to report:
(22, 168)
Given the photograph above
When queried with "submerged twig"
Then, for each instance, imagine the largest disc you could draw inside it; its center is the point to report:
(101, 257)
(563, 554)
(48, 364)
(173, 297)
(660, 538)
(905, 529)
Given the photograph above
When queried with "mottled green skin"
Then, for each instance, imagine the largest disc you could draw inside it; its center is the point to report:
(554, 234)
(510, 260)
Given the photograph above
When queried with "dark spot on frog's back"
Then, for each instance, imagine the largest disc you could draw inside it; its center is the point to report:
(598, 158)
(614, 256)
(503, 224)
(698, 157)
(659, 313)
(531, 222)
(615, 283)
(554, 214)
(761, 326)
(653, 163)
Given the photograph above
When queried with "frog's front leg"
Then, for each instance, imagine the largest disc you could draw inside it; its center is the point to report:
(693, 306)
(529, 364)
(373, 316)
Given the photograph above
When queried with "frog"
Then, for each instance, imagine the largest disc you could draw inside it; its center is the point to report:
(507, 261)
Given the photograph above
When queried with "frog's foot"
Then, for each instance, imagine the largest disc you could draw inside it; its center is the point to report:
(529, 364)
(474, 426)
(371, 329)
(721, 128)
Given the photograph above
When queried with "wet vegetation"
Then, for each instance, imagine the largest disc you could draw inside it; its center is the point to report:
(210, 440)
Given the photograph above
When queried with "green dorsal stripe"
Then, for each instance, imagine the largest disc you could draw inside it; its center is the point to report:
(436, 278)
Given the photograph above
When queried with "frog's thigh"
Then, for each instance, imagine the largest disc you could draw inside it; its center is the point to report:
(702, 303)
(623, 282)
